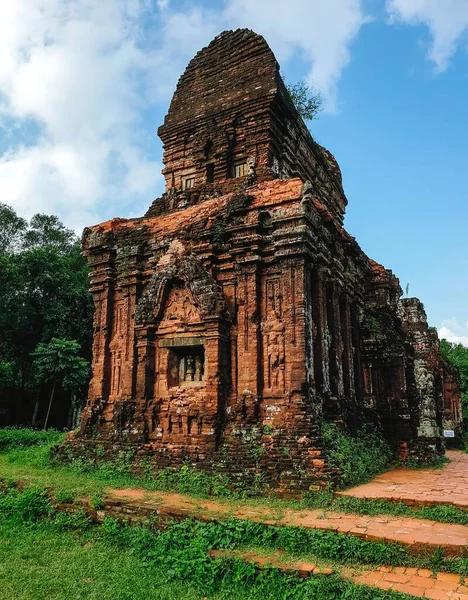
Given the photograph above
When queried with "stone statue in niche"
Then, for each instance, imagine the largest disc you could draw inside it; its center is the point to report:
(190, 364)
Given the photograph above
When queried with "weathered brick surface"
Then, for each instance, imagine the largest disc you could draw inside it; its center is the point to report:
(238, 311)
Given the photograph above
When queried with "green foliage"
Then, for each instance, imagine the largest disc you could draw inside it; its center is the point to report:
(183, 547)
(361, 506)
(183, 480)
(307, 101)
(77, 519)
(7, 374)
(457, 355)
(358, 457)
(416, 462)
(43, 294)
(12, 229)
(370, 324)
(187, 481)
(97, 501)
(218, 232)
(179, 553)
(28, 505)
(42, 560)
(59, 361)
(64, 497)
(48, 231)
(13, 437)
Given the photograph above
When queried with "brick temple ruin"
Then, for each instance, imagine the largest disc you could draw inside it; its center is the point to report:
(237, 314)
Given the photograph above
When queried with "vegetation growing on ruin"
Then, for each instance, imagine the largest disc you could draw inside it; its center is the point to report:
(25, 456)
(308, 102)
(357, 457)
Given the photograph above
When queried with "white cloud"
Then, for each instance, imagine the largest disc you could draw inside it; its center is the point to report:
(447, 21)
(71, 69)
(77, 78)
(320, 32)
(452, 331)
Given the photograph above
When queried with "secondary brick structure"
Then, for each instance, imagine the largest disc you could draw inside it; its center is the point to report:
(238, 313)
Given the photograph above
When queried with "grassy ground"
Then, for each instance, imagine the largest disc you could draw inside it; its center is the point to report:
(55, 556)
(31, 465)
(49, 555)
(39, 561)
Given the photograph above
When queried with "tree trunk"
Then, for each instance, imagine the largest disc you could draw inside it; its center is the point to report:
(71, 412)
(78, 412)
(35, 411)
(50, 404)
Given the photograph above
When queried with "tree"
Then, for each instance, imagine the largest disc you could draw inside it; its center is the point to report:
(12, 229)
(58, 362)
(43, 295)
(307, 101)
(457, 355)
(47, 230)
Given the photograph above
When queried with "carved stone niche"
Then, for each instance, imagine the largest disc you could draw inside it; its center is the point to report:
(182, 318)
(185, 361)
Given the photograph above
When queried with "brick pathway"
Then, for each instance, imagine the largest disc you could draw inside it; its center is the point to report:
(275, 559)
(421, 583)
(417, 582)
(448, 485)
(420, 536)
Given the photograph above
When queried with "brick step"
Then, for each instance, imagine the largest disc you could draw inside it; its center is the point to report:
(275, 559)
(447, 486)
(420, 583)
(419, 536)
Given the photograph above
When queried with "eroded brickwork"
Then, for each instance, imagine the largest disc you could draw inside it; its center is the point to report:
(238, 313)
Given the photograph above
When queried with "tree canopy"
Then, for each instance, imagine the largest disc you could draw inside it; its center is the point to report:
(307, 101)
(43, 295)
(59, 362)
(457, 354)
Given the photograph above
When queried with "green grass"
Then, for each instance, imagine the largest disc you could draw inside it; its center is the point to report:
(361, 506)
(190, 540)
(13, 437)
(45, 554)
(63, 557)
(31, 465)
(43, 561)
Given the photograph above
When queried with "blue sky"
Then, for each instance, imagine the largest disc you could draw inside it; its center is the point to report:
(84, 86)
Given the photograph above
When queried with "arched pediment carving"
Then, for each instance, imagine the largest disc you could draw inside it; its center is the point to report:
(179, 265)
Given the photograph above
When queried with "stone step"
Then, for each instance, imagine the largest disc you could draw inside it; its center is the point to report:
(420, 583)
(275, 559)
(418, 535)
